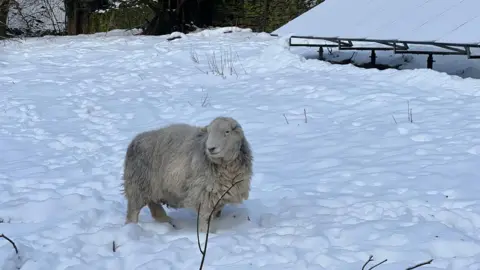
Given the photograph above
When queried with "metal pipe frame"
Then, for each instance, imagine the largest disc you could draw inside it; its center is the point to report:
(397, 46)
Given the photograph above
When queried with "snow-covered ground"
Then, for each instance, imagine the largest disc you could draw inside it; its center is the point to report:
(341, 172)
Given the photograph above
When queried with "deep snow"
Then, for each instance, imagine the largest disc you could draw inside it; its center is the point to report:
(356, 178)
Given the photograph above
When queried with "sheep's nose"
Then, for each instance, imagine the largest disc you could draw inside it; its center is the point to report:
(211, 149)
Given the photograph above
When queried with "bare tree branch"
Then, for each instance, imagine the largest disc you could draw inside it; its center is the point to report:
(420, 264)
(204, 251)
(384, 261)
(11, 242)
(370, 259)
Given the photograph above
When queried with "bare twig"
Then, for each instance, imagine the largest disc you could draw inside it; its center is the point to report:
(205, 101)
(370, 259)
(34, 14)
(11, 242)
(204, 250)
(305, 114)
(51, 15)
(408, 110)
(377, 264)
(286, 120)
(420, 264)
(114, 246)
(225, 63)
(238, 59)
(198, 236)
(395, 120)
(231, 67)
(206, 72)
(409, 113)
(194, 56)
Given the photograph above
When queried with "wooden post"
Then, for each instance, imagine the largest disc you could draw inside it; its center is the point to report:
(320, 53)
(430, 61)
(373, 58)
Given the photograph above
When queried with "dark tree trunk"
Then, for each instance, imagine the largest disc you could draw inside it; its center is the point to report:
(78, 13)
(164, 19)
(4, 7)
(71, 10)
(266, 8)
(206, 12)
(178, 15)
(161, 24)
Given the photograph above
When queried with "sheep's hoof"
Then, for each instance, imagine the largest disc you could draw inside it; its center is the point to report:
(173, 224)
(128, 221)
(163, 220)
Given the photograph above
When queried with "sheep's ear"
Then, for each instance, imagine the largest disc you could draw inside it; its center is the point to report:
(237, 126)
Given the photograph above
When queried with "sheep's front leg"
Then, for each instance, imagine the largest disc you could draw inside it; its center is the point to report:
(201, 195)
(203, 220)
(203, 223)
(134, 206)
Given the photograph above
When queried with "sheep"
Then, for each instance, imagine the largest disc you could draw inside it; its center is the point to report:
(184, 166)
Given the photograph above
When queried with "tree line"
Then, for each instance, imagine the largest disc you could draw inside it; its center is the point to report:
(154, 17)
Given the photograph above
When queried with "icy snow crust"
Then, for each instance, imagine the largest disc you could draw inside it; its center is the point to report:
(357, 179)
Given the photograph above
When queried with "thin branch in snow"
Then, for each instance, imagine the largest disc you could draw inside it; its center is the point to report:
(205, 102)
(204, 250)
(384, 261)
(409, 112)
(370, 259)
(420, 264)
(395, 120)
(286, 120)
(11, 242)
(194, 56)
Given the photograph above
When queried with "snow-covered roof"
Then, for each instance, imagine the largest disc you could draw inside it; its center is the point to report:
(449, 21)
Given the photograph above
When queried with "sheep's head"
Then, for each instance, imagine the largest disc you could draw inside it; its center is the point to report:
(224, 140)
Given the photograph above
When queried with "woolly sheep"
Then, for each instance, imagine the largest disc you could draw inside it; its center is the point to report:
(182, 166)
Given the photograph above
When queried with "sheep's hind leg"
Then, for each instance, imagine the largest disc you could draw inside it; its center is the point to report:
(133, 210)
(158, 213)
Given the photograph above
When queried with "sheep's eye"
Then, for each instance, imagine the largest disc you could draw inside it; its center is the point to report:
(227, 132)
